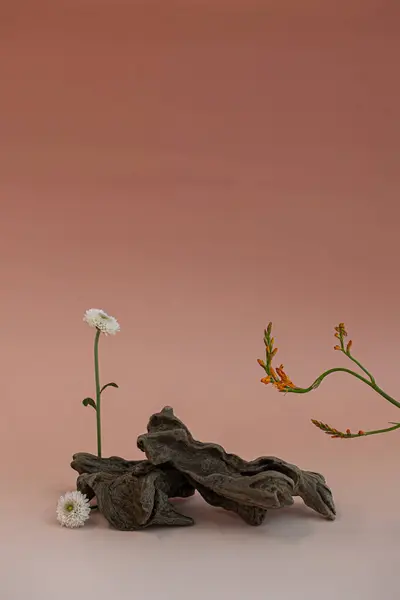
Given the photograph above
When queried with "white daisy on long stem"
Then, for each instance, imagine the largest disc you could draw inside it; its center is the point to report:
(73, 510)
(103, 323)
(99, 319)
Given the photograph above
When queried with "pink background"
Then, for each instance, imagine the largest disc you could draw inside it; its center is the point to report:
(197, 169)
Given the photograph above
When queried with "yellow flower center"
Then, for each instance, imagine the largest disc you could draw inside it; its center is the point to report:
(69, 507)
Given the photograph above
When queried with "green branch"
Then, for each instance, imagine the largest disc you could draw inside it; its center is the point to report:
(318, 381)
(281, 381)
(335, 433)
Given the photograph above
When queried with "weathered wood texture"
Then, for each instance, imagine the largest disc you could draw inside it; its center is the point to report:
(133, 495)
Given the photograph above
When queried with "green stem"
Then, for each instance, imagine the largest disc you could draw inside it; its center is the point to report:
(347, 353)
(319, 380)
(385, 395)
(374, 432)
(98, 393)
(360, 365)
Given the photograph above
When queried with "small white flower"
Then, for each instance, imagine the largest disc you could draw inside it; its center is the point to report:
(73, 509)
(95, 317)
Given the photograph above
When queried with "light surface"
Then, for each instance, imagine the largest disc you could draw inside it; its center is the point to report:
(197, 169)
(292, 554)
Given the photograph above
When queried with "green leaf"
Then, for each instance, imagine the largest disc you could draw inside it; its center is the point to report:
(112, 384)
(89, 402)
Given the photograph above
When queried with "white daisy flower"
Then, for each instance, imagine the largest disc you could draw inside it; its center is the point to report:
(98, 318)
(73, 509)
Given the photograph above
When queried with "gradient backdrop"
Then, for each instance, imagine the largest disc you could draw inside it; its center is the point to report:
(197, 169)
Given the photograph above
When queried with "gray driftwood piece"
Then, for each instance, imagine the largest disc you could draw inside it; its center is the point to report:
(135, 494)
(132, 495)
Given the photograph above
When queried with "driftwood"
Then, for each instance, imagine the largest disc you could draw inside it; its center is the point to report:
(136, 494)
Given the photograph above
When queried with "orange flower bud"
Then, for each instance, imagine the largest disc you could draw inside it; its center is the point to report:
(348, 431)
(361, 432)
(281, 374)
(280, 386)
(274, 351)
(336, 347)
(261, 362)
(341, 329)
(349, 345)
(266, 380)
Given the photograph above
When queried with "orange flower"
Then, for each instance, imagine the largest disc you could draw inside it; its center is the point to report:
(340, 329)
(273, 373)
(284, 382)
(336, 347)
(349, 345)
(278, 378)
